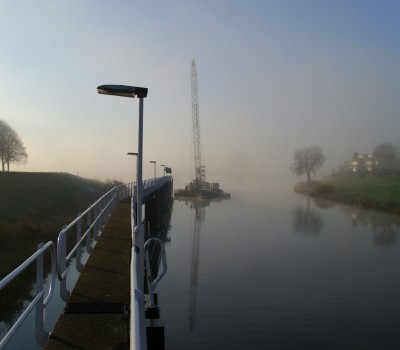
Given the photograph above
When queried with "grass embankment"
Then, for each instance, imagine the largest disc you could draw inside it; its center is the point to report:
(33, 209)
(34, 206)
(376, 192)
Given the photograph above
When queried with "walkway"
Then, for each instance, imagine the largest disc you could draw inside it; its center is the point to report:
(96, 314)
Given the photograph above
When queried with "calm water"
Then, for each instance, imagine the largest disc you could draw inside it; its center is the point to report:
(267, 272)
(276, 272)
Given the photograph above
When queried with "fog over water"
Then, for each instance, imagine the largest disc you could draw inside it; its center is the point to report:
(273, 76)
(288, 273)
(274, 268)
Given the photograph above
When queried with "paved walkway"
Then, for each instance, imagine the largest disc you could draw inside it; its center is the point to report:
(96, 314)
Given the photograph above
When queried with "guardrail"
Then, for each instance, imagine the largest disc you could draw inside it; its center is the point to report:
(40, 301)
(138, 338)
(152, 283)
(95, 217)
(150, 186)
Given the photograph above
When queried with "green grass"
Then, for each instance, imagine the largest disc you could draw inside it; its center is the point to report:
(41, 196)
(373, 191)
(33, 209)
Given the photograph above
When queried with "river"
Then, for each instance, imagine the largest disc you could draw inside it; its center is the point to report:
(274, 271)
(277, 272)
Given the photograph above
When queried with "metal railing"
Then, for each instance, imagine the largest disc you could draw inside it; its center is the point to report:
(138, 340)
(95, 218)
(150, 186)
(152, 283)
(40, 301)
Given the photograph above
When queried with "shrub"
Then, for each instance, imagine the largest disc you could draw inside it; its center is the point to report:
(322, 189)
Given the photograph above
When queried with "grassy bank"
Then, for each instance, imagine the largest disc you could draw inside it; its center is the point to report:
(43, 195)
(33, 209)
(368, 191)
(34, 206)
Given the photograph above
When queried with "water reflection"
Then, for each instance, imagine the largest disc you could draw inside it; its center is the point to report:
(198, 206)
(307, 220)
(384, 226)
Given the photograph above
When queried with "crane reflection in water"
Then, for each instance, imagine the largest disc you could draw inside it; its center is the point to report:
(198, 206)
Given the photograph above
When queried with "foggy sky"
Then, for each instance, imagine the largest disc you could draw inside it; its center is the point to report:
(273, 76)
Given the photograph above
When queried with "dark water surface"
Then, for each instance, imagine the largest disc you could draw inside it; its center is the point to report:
(273, 272)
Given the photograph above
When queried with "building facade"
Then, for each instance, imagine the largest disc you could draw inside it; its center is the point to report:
(366, 162)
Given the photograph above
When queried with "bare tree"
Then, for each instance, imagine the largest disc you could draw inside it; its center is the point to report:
(12, 149)
(387, 156)
(307, 160)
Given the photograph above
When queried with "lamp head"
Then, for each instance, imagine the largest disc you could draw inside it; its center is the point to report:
(122, 90)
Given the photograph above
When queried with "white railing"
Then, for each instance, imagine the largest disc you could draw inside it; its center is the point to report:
(152, 283)
(95, 218)
(150, 186)
(40, 301)
(138, 339)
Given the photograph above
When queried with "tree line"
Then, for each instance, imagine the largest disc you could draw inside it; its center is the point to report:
(308, 160)
(12, 149)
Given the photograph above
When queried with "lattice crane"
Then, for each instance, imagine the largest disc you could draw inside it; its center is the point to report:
(199, 170)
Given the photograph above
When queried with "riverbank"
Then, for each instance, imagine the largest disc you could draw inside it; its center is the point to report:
(374, 192)
(33, 209)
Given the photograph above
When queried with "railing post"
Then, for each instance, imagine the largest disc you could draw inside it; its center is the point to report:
(62, 264)
(99, 211)
(96, 222)
(78, 252)
(88, 236)
(40, 334)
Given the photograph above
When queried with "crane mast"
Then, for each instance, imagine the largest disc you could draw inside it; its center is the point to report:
(198, 187)
(199, 171)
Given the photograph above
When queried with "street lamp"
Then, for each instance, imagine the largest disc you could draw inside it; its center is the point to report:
(133, 154)
(164, 168)
(138, 244)
(154, 162)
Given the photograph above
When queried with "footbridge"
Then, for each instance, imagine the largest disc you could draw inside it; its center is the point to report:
(113, 305)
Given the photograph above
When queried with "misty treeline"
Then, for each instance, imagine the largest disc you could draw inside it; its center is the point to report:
(12, 149)
(385, 159)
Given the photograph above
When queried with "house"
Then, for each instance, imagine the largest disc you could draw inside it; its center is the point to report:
(366, 162)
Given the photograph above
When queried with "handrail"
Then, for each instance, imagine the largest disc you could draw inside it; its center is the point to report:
(152, 284)
(96, 217)
(154, 184)
(40, 301)
(138, 340)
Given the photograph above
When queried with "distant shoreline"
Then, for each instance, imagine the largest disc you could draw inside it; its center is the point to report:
(352, 191)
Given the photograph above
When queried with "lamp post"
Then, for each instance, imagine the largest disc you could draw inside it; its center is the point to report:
(137, 280)
(155, 173)
(164, 169)
(133, 154)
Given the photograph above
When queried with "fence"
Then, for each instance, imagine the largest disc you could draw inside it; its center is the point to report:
(40, 301)
(95, 218)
